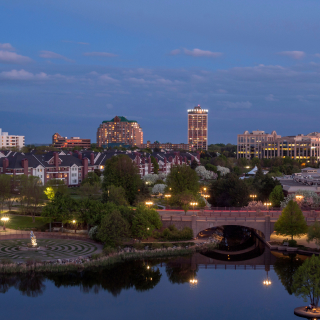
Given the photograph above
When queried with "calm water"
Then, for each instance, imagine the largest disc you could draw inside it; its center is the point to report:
(161, 290)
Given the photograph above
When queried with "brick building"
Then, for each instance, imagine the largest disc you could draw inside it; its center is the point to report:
(167, 146)
(63, 142)
(119, 130)
(72, 168)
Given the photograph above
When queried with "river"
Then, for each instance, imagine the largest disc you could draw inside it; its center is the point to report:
(226, 286)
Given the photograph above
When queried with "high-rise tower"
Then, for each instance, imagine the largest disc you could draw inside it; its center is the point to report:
(198, 128)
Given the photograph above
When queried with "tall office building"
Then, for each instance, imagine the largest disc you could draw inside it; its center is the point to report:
(119, 131)
(198, 128)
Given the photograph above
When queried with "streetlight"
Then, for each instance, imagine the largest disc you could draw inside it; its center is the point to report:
(149, 203)
(4, 219)
(267, 204)
(167, 196)
(206, 196)
(253, 196)
(74, 223)
(298, 197)
(193, 204)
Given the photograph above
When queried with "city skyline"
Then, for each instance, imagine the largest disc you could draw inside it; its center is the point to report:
(66, 67)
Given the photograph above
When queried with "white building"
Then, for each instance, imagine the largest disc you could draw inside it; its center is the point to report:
(7, 141)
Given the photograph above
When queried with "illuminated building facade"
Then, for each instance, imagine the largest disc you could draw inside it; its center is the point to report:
(10, 141)
(119, 130)
(63, 142)
(263, 145)
(198, 128)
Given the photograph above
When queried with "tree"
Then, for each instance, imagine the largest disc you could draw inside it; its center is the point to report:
(229, 192)
(55, 185)
(113, 228)
(155, 164)
(182, 178)
(276, 196)
(90, 189)
(62, 208)
(194, 164)
(145, 222)
(314, 233)
(120, 171)
(91, 178)
(291, 222)
(5, 183)
(117, 195)
(306, 280)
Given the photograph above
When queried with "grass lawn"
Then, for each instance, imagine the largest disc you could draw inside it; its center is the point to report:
(22, 222)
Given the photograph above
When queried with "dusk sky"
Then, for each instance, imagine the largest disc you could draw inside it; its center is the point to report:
(66, 66)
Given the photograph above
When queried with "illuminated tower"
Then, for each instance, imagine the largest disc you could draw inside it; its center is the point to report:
(198, 128)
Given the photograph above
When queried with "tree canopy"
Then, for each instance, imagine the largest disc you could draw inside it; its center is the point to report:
(291, 221)
(120, 171)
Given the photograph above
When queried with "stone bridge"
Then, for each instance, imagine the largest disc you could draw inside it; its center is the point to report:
(261, 221)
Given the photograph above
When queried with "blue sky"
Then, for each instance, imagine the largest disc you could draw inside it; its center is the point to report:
(66, 66)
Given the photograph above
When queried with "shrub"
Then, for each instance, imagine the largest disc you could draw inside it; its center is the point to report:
(93, 233)
(139, 246)
(108, 250)
(156, 245)
(173, 234)
(292, 243)
(6, 261)
(167, 245)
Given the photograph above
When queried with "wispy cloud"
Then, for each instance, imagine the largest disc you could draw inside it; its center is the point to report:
(53, 55)
(236, 105)
(83, 43)
(22, 75)
(270, 97)
(100, 54)
(196, 53)
(317, 55)
(13, 58)
(7, 47)
(297, 55)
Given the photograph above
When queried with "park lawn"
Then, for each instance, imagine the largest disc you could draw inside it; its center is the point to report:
(23, 222)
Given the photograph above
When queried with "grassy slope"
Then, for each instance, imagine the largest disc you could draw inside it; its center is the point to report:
(22, 222)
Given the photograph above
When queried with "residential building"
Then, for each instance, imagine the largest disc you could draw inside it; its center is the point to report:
(63, 142)
(73, 167)
(167, 146)
(119, 130)
(198, 128)
(9, 141)
(262, 145)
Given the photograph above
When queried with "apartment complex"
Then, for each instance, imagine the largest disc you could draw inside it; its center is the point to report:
(198, 128)
(73, 167)
(167, 146)
(263, 145)
(9, 141)
(63, 142)
(119, 130)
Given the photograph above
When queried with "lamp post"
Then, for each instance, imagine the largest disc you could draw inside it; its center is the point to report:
(167, 196)
(149, 203)
(267, 204)
(4, 219)
(253, 196)
(74, 223)
(193, 204)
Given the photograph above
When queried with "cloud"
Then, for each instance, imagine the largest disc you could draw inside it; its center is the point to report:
(107, 78)
(100, 54)
(297, 55)
(236, 105)
(83, 43)
(222, 91)
(270, 97)
(175, 52)
(53, 55)
(22, 75)
(109, 106)
(12, 57)
(196, 53)
(317, 55)
(7, 47)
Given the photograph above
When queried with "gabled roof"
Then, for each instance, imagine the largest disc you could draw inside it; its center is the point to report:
(122, 119)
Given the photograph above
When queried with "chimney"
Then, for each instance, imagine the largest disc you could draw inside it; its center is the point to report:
(149, 165)
(170, 159)
(85, 167)
(25, 166)
(56, 160)
(80, 155)
(185, 160)
(192, 158)
(92, 159)
(5, 164)
(143, 160)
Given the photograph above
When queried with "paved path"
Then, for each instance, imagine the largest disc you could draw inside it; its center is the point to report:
(300, 241)
(56, 249)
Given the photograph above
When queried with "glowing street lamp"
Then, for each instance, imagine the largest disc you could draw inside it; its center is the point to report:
(167, 196)
(74, 223)
(149, 203)
(206, 196)
(267, 204)
(193, 204)
(253, 196)
(4, 219)
(267, 282)
(299, 197)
